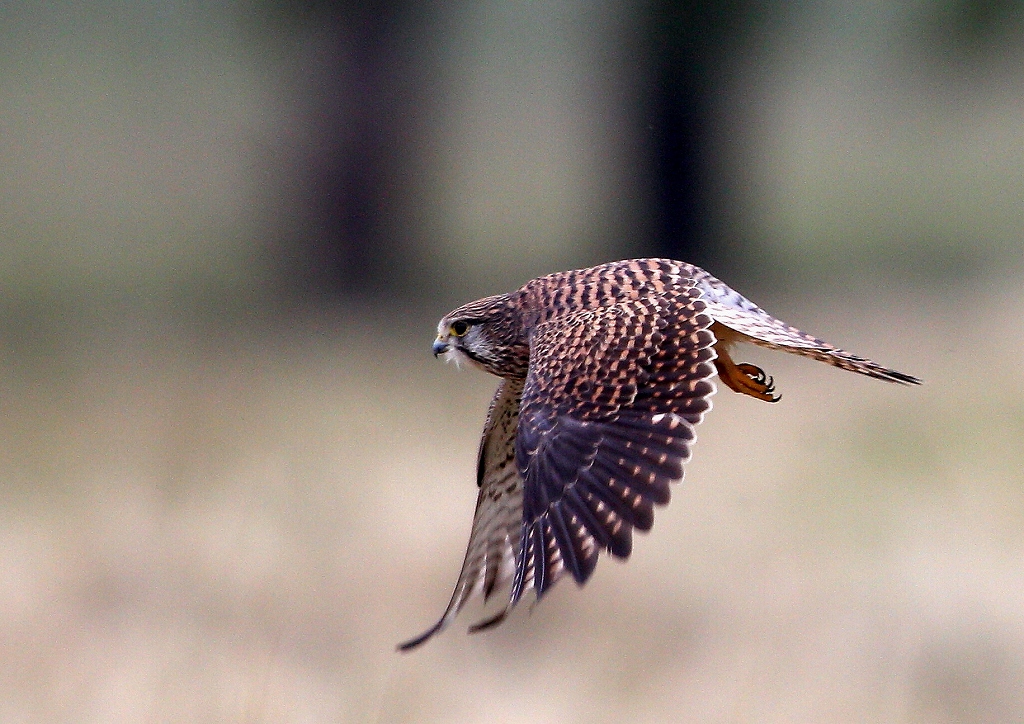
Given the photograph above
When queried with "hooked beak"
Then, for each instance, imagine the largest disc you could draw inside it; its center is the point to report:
(440, 347)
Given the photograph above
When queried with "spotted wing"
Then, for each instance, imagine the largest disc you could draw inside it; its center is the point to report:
(494, 539)
(608, 411)
(731, 309)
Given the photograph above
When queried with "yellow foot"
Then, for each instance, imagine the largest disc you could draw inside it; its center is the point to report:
(761, 384)
(746, 379)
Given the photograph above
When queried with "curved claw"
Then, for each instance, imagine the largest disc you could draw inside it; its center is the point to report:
(745, 378)
(763, 384)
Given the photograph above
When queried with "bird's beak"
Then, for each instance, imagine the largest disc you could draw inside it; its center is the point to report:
(440, 347)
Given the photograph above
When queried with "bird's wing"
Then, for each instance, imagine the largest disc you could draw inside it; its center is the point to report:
(731, 309)
(608, 411)
(493, 541)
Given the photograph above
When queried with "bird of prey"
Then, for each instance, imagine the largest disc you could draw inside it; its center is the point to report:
(604, 372)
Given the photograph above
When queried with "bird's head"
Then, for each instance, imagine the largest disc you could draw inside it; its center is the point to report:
(486, 333)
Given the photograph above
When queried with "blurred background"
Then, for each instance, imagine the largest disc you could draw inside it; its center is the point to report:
(233, 477)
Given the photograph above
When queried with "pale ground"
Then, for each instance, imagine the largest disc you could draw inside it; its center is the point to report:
(242, 530)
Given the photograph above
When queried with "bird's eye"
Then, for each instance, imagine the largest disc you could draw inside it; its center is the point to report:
(458, 328)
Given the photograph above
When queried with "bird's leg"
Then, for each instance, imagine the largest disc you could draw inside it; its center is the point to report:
(744, 378)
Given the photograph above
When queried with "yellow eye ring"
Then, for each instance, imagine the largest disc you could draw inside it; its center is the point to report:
(458, 328)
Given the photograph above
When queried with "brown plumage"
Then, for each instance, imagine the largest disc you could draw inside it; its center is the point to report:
(605, 373)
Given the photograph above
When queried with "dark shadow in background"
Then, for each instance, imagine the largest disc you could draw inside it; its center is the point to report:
(339, 246)
(348, 251)
(693, 41)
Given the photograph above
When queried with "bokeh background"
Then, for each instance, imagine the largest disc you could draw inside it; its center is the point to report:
(233, 477)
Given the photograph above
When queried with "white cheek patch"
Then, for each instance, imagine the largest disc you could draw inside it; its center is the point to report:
(455, 355)
(459, 357)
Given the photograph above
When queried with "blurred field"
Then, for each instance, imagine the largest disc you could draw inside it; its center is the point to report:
(241, 528)
(232, 477)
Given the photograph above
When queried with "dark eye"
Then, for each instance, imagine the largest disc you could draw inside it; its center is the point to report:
(458, 328)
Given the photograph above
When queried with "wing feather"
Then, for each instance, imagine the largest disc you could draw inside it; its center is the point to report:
(746, 321)
(607, 419)
(576, 456)
(494, 540)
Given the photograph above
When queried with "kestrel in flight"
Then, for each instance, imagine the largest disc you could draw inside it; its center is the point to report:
(604, 372)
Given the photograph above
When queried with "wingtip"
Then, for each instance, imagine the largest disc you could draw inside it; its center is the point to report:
(437, 627)
(421, 639)
(489, 622)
